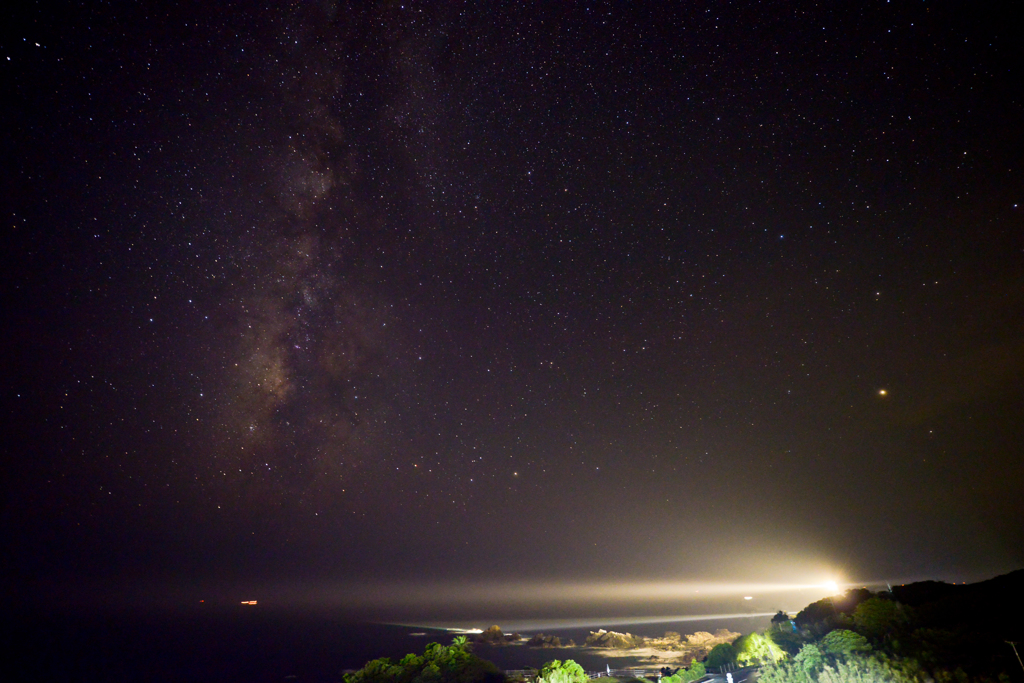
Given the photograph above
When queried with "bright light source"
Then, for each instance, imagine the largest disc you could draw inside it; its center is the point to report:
(832, 586)
(748, 597)
(883, 392)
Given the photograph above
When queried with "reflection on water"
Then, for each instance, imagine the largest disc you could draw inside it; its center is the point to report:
(523, 625)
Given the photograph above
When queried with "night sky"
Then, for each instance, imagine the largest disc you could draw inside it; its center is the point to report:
(486, 292)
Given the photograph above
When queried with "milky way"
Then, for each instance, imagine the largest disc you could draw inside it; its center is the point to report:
(305, 407)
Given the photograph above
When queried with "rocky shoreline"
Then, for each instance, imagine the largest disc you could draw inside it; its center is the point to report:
(672, 648)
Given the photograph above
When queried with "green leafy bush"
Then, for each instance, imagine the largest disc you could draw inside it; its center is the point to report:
(879, 619)
(787, 640)
(696, 671)
(844, 642)
(757, 649)
(721, 655)
(816, 668)
(438, 664)
(557, 671)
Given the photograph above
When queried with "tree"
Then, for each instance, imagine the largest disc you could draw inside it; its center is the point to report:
(842, 642)
(821, 617)
(787, 639)
(780, 620)
(848, 601)
(438, 664)
(810, 660)
(854, 669)
(720, 655)
(833, 612)
(557, 671)
(860, 669)
(694, 673)
(757, 649)
(879, 619)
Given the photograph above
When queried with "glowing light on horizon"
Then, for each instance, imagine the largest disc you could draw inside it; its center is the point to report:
(533, 625)
(543, 596)
(549, 598)
(559, 592)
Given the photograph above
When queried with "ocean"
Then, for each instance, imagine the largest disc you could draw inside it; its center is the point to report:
(257, 645)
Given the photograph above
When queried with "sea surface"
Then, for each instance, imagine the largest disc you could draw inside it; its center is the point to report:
(257, 646)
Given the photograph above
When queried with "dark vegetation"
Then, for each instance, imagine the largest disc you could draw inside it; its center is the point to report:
(695, 671)
(928, 632)
(919, 633)
(438, 664)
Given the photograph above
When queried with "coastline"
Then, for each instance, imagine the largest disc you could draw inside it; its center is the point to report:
(654, 652)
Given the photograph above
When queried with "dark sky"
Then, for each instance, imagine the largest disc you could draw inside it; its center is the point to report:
(511, 292)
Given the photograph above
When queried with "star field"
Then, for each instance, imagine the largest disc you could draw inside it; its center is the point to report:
(441, 289)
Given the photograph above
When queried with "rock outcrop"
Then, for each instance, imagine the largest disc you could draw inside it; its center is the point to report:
(494, 637)
(541, 640)
(672, 647)
(670, 641)
(614, 640)
(699, 644)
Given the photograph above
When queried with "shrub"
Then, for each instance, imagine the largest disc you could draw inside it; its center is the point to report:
(695, 672)
(757, 649)
(852, 669)
(879, 619)
(438, 664)
(720, 655)
(842, 642)
(787, 640)
(557, 671)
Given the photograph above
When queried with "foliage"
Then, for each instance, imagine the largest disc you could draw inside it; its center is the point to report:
(822, 616)
(695, 672)
(831, 613)
(879, 619)
(438, 664)
(853, 669)
(787, 640)
(815, 612)
(932, 632)
(810, 659)
(557, 671)
(757, 649)
(843, 642)
(720, 655)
